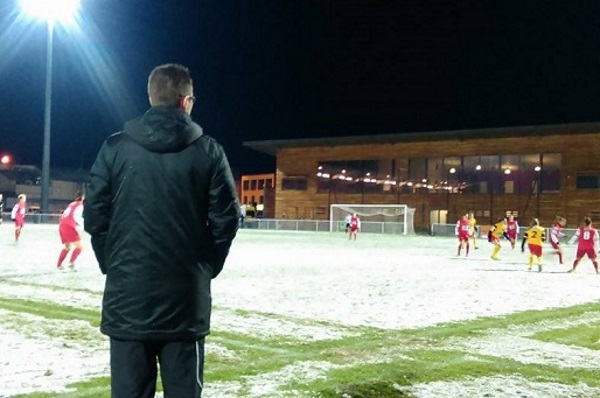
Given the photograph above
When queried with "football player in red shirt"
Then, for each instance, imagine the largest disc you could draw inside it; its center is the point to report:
(354, 226)
(556, 232)
(71, 217)
(588, 243)
(512, 230)
(18, 215)
(463, 231)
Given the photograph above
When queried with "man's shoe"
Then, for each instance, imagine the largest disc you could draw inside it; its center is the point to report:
(60, 268)
(71, 266)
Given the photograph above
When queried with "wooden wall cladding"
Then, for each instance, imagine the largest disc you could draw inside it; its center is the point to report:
(579, 153)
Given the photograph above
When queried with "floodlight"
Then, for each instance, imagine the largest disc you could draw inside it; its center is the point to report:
(51, 12)
(5, 159)
(62, 11)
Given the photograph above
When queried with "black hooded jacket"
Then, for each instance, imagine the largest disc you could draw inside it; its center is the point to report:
(162, 210)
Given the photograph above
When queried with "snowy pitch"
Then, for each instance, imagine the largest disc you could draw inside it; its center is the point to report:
(391, 282)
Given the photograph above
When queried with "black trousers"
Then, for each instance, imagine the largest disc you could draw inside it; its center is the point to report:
(133, 368)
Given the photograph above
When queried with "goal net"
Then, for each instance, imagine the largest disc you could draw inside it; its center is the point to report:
(387, 219)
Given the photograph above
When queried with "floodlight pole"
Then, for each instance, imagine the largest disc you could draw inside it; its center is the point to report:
(448, 186)
(539, 187)
(45, 192)
(329, 197)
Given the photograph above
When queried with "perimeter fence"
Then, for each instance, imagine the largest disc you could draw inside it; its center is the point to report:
(391, 228)
(35, 218)
(273, 224)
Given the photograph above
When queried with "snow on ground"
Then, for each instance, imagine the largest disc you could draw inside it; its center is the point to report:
(515, 343)
(307, 286)
(394, 282)
(501, 387)
(32, 362)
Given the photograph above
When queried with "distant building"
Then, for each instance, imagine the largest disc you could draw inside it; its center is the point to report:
(257, 191)
(26, 179)
(531, 171)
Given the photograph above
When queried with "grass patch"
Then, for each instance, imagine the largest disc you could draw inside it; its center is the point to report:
(369, 362)
(94, 388)
(15, 281)
(375, 389)
(586, 335)
(50, 310)
(480, 326)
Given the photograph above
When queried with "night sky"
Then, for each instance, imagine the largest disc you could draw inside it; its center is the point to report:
(300, 69)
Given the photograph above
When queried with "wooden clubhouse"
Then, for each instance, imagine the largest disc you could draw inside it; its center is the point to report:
(528, 171)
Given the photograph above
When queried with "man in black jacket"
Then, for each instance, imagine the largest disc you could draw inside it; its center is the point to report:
(162, 210)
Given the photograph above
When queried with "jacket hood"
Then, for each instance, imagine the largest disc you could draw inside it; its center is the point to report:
(163, 129)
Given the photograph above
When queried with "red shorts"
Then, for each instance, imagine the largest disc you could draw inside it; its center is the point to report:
(536, 250)
(591, 253)
(554, 245)
(463, 238)
(353, 229)
(68, 234)
(19, 223)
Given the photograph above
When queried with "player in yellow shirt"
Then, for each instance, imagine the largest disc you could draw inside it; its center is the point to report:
(473, 229)
(497, 231)
(535, 236)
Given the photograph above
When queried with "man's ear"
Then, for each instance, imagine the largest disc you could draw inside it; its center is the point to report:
(181, 103)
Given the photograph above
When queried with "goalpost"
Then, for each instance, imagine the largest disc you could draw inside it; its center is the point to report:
(384, 218)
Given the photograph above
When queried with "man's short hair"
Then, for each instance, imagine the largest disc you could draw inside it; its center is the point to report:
(168, 83)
